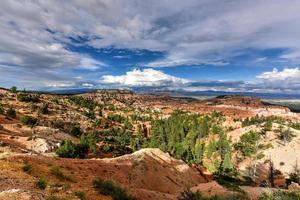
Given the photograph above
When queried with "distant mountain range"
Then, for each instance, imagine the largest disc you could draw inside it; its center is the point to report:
(183, 93)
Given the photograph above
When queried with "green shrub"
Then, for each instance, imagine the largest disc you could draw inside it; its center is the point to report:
(83, 102)
(28, 120)
(295, 174)
(260, 156)
(228, 180)
(286, 135)
(27, 168)
(55, 100)
(11, 113)
(116, 118)
(296, 125)
(55, 170)
(247, 144)
(268, 125)
(76, 131)
(111, 107)
(127, 124)
(108, 188)
(189, 195)
(105, 148)
(28, 97)
(42, 183)
(81, 195)
(1, 109)
(33, 107)
(66, 150)
(13, 89)
(43, 109)
(90, 114)
(69, 150)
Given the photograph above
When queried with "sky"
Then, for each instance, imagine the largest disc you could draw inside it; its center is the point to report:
(191, 45)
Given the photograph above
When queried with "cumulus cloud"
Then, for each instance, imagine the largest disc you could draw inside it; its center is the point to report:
(155, 80)
(144, 78)
(286, 79)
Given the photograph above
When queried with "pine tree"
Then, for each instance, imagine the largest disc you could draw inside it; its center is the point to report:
(199, 151)
(227, 164)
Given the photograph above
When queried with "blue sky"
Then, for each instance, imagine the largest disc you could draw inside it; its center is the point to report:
(193, 45)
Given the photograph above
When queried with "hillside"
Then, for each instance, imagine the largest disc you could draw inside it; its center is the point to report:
(151, 146)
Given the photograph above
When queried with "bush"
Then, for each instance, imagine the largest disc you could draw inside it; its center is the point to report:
(42, 183)
(27, 168)
(33, 107)
(1, 109)
(55, 170)
(189, 195)
(69, 150)
(43, 109)
(88, 142)
(11, 113)
(295, 175)
(28, 120)
(127, 124)
(81, 195)
(105, 148)
(286, 135)
(108, 188)
(90, 114)
(116, 118)
(13, 89)
(296, 125)
(28, 98)
(66, 150)
(83, 102)
(76, 131)
(247, 144)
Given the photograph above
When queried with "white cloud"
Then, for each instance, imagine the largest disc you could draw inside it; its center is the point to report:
(90, 63)
(193, 31)
(87, 85)
(287, 79)
(60, 85)
(178, 62)
(144, 78)
(35, 34)
(261, 59)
